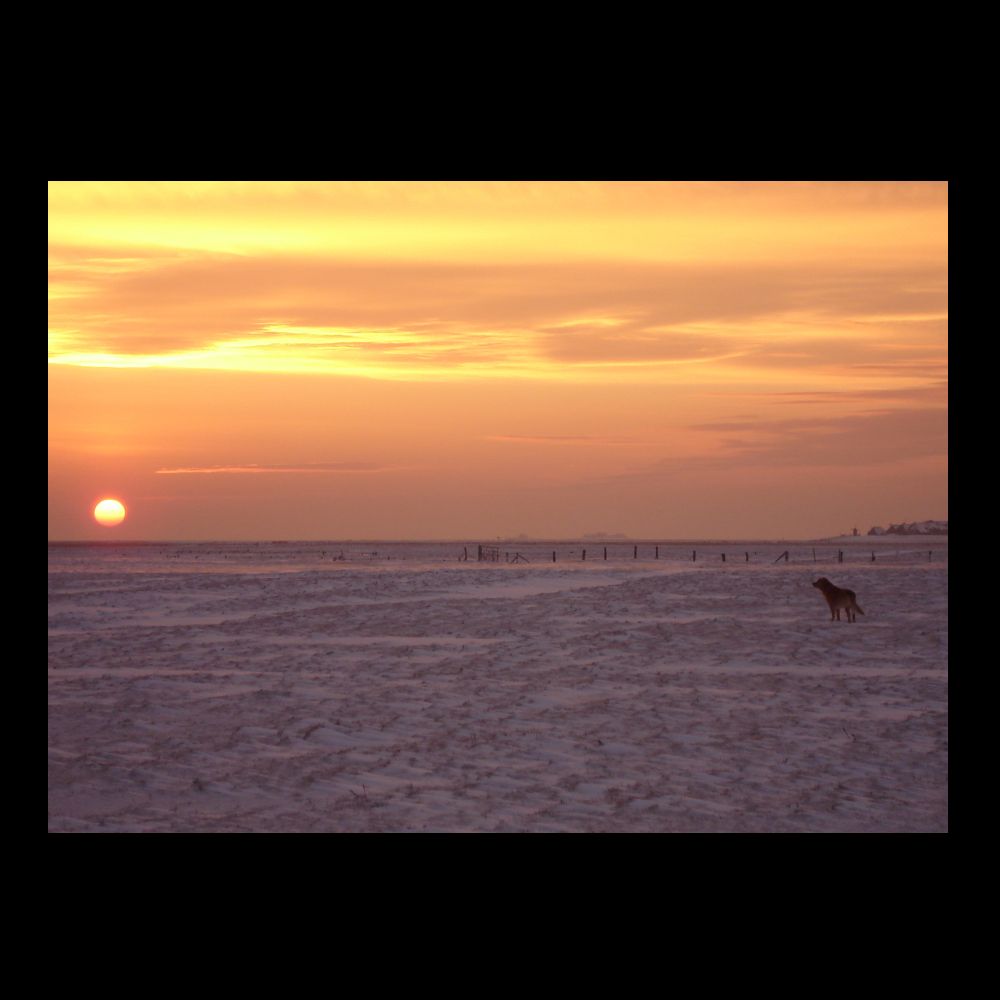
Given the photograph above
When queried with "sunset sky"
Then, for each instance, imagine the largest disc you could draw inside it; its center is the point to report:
(465, 360)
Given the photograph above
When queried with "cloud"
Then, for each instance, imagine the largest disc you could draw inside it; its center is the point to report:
(936, 391)
(587, 439)
(291, 201)
(635, 343)
(195, 309)
(876, 437)
(313, 467)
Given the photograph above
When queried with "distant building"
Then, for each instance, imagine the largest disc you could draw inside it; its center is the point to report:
(913, 528)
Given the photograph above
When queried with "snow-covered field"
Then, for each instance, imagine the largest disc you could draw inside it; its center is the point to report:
(276, 687)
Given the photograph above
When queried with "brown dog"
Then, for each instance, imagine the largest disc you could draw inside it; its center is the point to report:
(837, 598)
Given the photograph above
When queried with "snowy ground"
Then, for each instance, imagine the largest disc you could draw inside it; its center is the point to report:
(249, 688)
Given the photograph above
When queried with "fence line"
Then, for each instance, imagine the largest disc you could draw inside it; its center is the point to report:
(711, 555)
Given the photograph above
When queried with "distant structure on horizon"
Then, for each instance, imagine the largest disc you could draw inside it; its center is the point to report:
(913, 528)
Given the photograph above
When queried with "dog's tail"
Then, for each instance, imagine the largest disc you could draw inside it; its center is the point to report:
(857, 607)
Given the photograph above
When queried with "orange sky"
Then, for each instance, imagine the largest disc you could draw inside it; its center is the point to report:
(262, 360)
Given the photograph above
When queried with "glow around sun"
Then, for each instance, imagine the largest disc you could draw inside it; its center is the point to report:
(109, 513)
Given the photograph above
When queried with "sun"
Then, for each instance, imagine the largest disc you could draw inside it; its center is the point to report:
(109, 513)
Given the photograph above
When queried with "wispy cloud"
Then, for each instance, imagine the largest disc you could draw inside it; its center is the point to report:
(931, 392)
(584, 439)
(416, 319)
(879, 437)
(310, 468)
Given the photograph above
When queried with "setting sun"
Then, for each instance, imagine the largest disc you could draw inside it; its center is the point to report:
(109, 513)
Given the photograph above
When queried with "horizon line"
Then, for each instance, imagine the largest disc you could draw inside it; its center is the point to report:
(620, 539)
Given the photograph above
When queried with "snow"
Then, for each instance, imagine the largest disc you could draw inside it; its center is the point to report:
(243, 687)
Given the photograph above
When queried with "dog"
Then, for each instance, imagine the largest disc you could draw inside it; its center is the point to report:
(837, 598)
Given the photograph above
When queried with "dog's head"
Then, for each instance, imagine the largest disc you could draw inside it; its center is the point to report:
(822, 583)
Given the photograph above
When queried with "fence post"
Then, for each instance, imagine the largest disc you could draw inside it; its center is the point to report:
(723, 556)
(584, 555)
(553, 557)
(635, 552)
(694, 556)
(840, 556)
(605, 553)
(657, 551)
